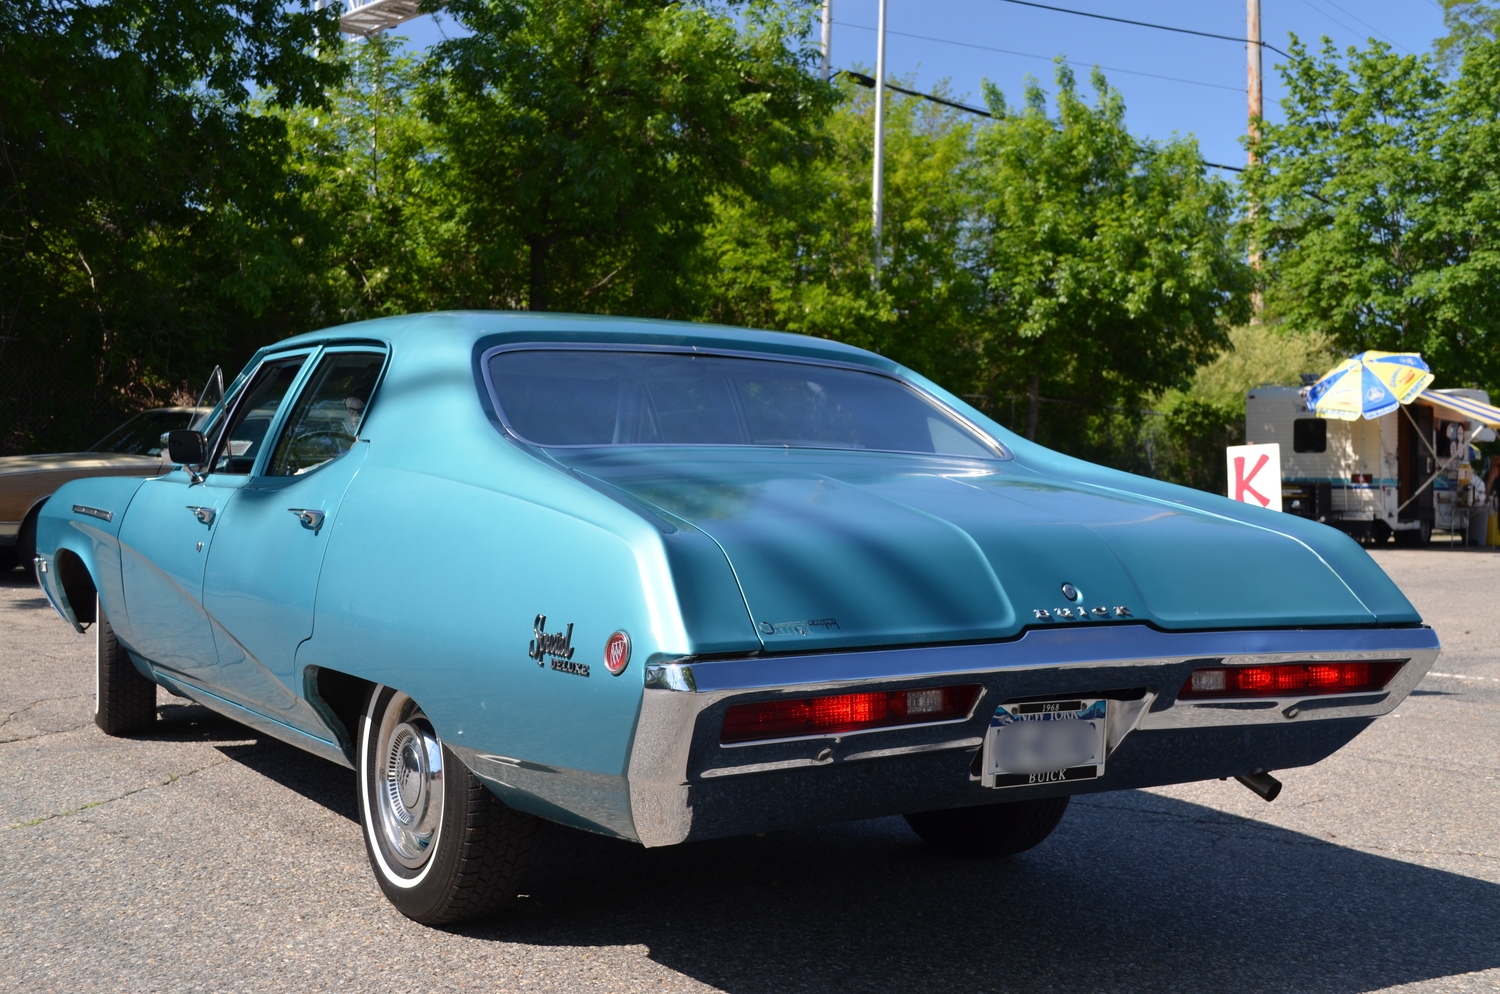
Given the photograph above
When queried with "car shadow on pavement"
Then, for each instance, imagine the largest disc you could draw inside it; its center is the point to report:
(316, 779)
(16, 579)
(1134, 892)
(326, 783)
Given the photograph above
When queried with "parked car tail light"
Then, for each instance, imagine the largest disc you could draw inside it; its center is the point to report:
(1286, 679)
(784, 719)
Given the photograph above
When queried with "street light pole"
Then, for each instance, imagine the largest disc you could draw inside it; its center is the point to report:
(1253, 91)
(827, 40)
(878, 194)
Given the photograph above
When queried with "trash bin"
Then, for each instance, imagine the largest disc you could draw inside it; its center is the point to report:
(1479, 525)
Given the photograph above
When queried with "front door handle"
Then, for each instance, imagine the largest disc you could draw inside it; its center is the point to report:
(203, 514)
(309, 516)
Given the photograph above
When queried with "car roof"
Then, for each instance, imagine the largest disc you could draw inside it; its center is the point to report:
(491, 328)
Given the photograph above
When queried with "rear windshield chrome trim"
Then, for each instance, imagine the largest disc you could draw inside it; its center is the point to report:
(1000, 452)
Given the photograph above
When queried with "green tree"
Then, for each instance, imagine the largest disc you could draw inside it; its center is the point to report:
(1109, 263)
(369, 165)
(146, 221)
(1352, 206)
(797, 255)
(1464, 309)
(585, 140)
(1469, 23)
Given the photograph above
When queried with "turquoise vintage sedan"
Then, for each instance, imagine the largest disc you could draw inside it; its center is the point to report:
(670, 582)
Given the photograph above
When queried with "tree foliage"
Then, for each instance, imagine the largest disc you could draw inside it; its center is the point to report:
(798, 256)
(1375, 205)
(1469, 23)
(365, 167)
(1343, 193)
(585, 140)
(1109, 262)
(145, 213)
(247, 175)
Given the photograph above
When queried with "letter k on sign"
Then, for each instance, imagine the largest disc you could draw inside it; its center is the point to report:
(1242, 482)
(1255, 474)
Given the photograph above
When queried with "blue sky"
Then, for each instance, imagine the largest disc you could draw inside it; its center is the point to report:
(1204, 96)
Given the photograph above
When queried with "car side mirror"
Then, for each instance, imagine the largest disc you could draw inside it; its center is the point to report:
(187, 447)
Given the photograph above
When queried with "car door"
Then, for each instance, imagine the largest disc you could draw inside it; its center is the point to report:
(170, 525)
(262, 574)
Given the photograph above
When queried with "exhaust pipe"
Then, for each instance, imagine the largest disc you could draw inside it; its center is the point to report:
(1267, 786)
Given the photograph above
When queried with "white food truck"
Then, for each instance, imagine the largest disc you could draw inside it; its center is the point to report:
(1403, 474)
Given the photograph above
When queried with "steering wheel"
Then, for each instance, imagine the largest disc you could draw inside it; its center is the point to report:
(312, 449)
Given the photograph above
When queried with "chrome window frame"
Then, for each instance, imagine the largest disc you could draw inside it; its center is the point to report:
(1001, 452)
(304, 380)
(216, 440)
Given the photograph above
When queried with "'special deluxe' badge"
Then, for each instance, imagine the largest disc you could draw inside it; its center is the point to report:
(557, 645)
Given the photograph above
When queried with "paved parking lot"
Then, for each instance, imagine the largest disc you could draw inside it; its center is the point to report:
(206, 858)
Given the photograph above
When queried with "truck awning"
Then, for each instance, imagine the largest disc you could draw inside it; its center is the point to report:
(1474, 410)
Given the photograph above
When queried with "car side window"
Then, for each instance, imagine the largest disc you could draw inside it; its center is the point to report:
(325, 422)
(241, 442)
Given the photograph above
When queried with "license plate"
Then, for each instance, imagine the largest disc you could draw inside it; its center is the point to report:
(1044, 742)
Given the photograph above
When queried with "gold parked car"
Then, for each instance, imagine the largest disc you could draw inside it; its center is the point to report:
(133, 449)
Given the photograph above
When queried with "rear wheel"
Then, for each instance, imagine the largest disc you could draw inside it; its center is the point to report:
(989, 830)
(124, 700)
(444, 849)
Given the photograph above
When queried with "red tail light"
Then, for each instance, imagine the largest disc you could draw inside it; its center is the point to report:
(1288, 679)
(787, 719)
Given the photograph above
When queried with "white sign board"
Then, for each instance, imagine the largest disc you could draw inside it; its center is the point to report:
(1255, 474)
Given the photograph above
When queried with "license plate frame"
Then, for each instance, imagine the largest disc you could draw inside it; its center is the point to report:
(1035, 743)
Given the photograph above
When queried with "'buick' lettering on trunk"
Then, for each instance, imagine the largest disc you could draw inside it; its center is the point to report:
(558, 645)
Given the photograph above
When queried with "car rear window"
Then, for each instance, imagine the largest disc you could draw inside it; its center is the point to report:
(599, 397)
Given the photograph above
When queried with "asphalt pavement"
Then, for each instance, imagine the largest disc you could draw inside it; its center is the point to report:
(207, 858)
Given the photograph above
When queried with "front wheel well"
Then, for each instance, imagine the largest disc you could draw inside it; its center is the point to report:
(77, 585)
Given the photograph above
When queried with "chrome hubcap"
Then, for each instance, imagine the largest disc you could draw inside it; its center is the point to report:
(409, 796)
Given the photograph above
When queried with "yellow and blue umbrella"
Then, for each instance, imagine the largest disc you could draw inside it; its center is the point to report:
(1369, 385)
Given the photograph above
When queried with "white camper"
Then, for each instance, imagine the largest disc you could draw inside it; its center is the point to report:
(1403, 474)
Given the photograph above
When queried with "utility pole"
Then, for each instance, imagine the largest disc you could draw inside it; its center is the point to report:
(878, 192)
(1253, 90)
(827, 40)
(1252, 54)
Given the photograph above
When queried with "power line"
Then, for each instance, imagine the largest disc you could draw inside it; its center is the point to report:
(1044, 58)
(1147, 24)
(1356, 17)
(868, 82)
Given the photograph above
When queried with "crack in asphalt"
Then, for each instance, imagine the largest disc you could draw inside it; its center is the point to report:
(171, 779)
(41, 700)
(42, 735)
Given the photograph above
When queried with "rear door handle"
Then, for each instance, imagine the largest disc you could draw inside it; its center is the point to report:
(309, 516)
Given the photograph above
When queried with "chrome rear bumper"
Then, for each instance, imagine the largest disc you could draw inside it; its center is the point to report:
(684, 784)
